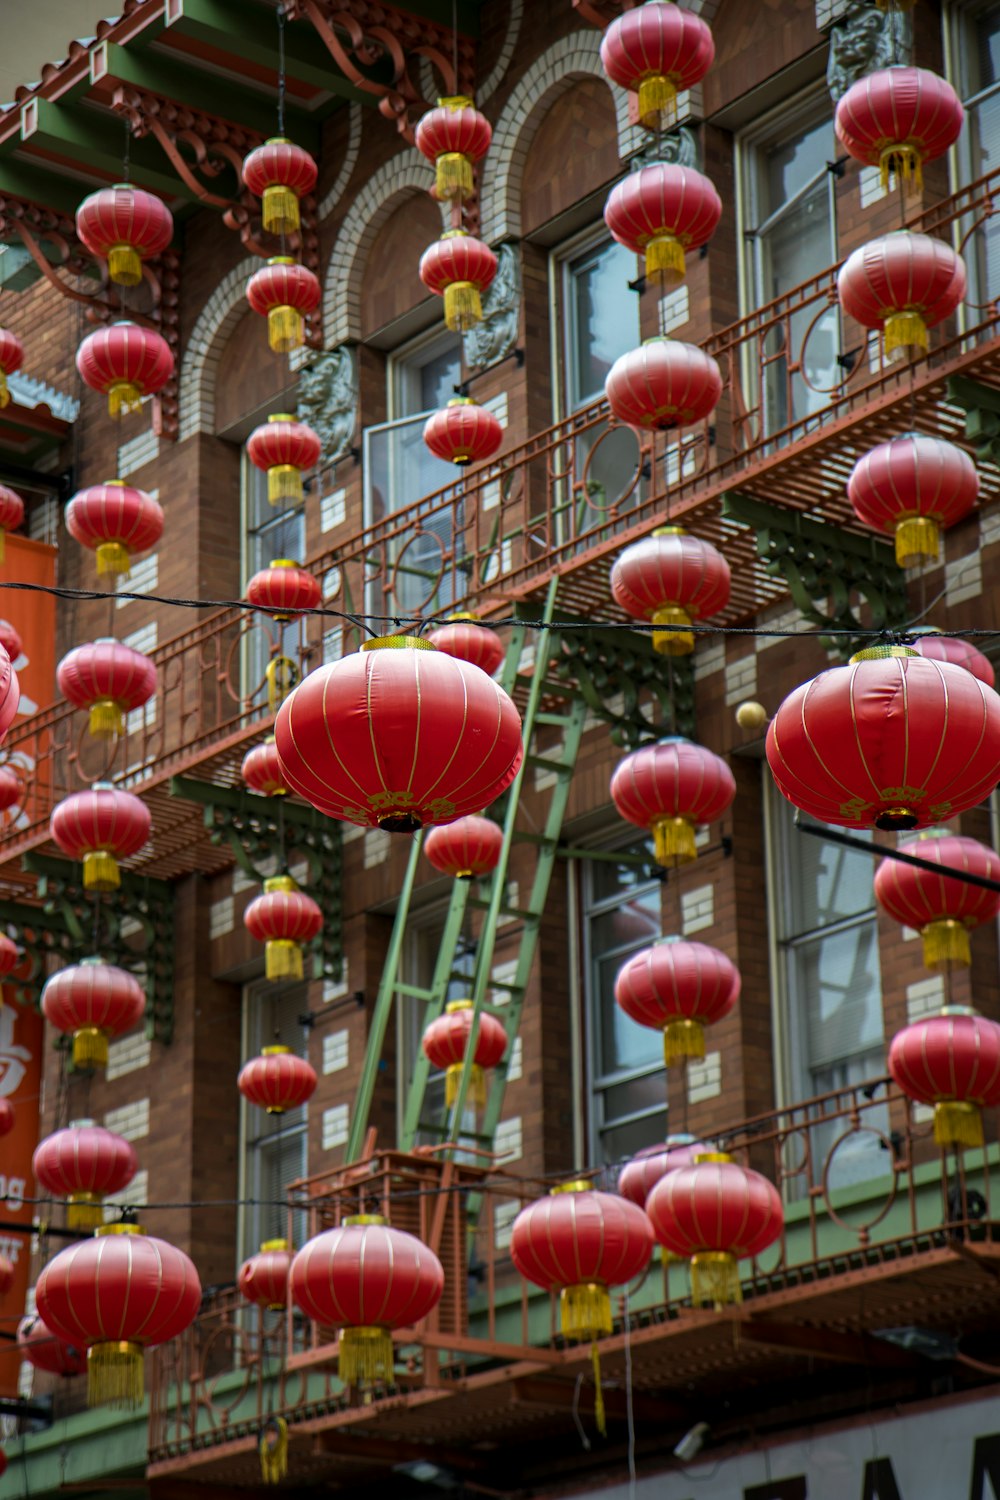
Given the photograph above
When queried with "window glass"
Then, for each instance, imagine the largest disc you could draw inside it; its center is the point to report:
(976, 50)
(274, 1146)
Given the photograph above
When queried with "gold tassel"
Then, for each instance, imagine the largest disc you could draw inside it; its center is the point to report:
(284, 482)
(946, 942)
(904, 330)
(115, 1375)
(85, 1211)
(599, 1414)
(665, 259)
(476, 1092)
(657, 102)
(906, 162)
(113, 557)
(282, 959)
(673, 841)
(124, 265)
(281, 675)
(917, 537)
(672, 642)
(100, 871)
(281, 209)
(715, 1279)
(454, 176)
(90, 1048)
(105, 719)
(274, 1455)
(682, 1040)
(284, 329)
(958, 1123)
(585, 1310)
(4, 389)
(463, 308)
(365, 1356)
(3, 547)
(123, 398)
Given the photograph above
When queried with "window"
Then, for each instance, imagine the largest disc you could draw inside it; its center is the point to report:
(976, 53)
(274, 1146)
(420, 961)
(270, 532)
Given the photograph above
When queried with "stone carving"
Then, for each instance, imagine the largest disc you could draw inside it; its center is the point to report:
(864, 39)
(496, 335)
(328, 400)
(679, 148)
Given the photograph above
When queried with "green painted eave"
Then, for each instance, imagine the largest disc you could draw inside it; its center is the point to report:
(89, 1447)
(86, 140)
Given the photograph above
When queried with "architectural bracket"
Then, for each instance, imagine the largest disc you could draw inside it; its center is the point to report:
(981, 404)
(602, 12)
(627, 685)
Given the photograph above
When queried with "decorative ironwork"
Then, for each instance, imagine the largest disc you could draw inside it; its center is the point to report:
(328, 400)
(981, 404)
(680, 147)
(627, 685)
(866, 38)
(602, 12)
(494, 338)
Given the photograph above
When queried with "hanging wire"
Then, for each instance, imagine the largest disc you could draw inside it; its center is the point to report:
(454, 41)
(281, 71)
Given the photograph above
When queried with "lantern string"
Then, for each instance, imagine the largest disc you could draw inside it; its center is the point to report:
(281, 71)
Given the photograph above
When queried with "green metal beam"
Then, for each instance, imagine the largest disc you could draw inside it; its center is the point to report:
(96, 143)
(21, 179)
(981, 404)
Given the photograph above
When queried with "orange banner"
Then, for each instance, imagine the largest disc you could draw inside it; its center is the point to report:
(34, 618)
(22, 1033)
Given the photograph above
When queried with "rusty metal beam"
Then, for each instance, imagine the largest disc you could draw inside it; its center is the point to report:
(816, 1342)
(560, 1395)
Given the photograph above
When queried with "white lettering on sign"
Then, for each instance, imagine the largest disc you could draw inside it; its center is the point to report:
(12, 1189)
(12, 1056)
(10, 1246)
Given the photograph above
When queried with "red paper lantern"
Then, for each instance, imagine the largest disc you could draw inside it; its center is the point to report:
(283, 918)
(663, 384)
(459, 268)
(916, 487)
(10, 694)
(944, 910)
(398, 735)
(366, 1279)
(41, 1348)
(466, 849)
(960, 653)
(261, 770)
(124, 225)
(10, 640)
(115, 520)
(951, 1061)
(126, 362)
(10, 957)
(463, 432)
(715, 1214)
(657, 51)
(897, 118)
(285, 293)
(446, 1041)
(464, 638)
(277, 1080)
(890, 741)
(101, 826)
(638, 1177)
(10, 788)
(284, 589)
(118, 1293)
(904, 284)
(282, 447)
(660, 212)
(11, 514)
(8, 1115)
(669, 788)
(11, 360)
(680, 988)
(263, 1279)
(280, 173)
(454, 137)
(93, 1001)
(671, 578)
(108, 678)
(84, 1163)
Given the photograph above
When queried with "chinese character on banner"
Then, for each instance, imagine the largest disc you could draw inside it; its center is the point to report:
(21, 1038)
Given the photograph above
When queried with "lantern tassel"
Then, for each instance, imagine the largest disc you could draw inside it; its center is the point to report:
(463, 307)
(917, 537)
(657, 102)
(115, 1375)
(365, 1356)
(600, 1417)
(124, 265)
(905, 161)
(958, 1123)
(123, 398)
(284, 482)
(280, 674)
(454, 176)
(673, 841)
(946, 942)
(282, 959)
(273, 1447)
(665, 259)
(585, 1310)
(100, 871)
(683, 1040)
(904, 330)
(84, 1211)
(113, 557)
(284, 329)
(105, 719)
(4, 389)
(476, 1093)
(280, 209)
(3, 548)
(90, 1048)
(672, 642)
(715, 1279)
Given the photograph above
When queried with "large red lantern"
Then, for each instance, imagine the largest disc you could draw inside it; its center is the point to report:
(398, 735)
(10, 788)
(263, 1279)
(283, 918)
(118, 1293)
(285, 293)
(464, 637)
(41, 1348)
(284, 590)
(897, 118)
(715, 1214)
(681, 988)
(84, 1163)
(93, 1001)
(454, 137)
(638, 1177)
(446, 1042)
(126, 362)
(671, 578)
(108, 678)
(124, 225)
(466, 849)
(904, 284)
(943, 909)
(366, 1279)
(10, 640)
(670, 788)
(10, 694)
(261, 770)
(277, 1080)
(11, 514)
(101, 826)
(959, 652)
(463, 432)
(663, 384)
(660, 212)
(459, 268)
(280, 174)
(282, 447)
(916, 487)
(890, 741)
(11, 360)
(116, 520)
(10, 957)
(656, 51)
(950, 1061)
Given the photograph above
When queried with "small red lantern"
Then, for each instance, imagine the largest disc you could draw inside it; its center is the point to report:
(41, 1348)
(398, 735)
(94, 1001)
(283, 918)
(10, 788)
(284, 589)
(904, 284)
(446, 1041)
(118, 1293)
(10, 694)
(11, 360)
(660, 212)
(638, 1177)
(463, 637)
(124, 225)
(282, 447)
(463, 432)
(916, 487)
(285, 293)
(663, 384)
(671, 578)
(108, 678)
(466, 849)
(263, 1279)
(454, 137)
(669, 788)
(459, 268)
(657, 51)
(84, 1163)
(9, 959)
(277, 1080)
(715, 1214)
(680, 988)
(951, 1061)
(8, 1115)
(890, 741)
(280, 173)
(944, 910)
(127, 362)
(366, 1279)
(897, 118)
(116, 520)
(11, 514)
(101, 826)
(261, 770)
(10, 640)
(960, 653)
